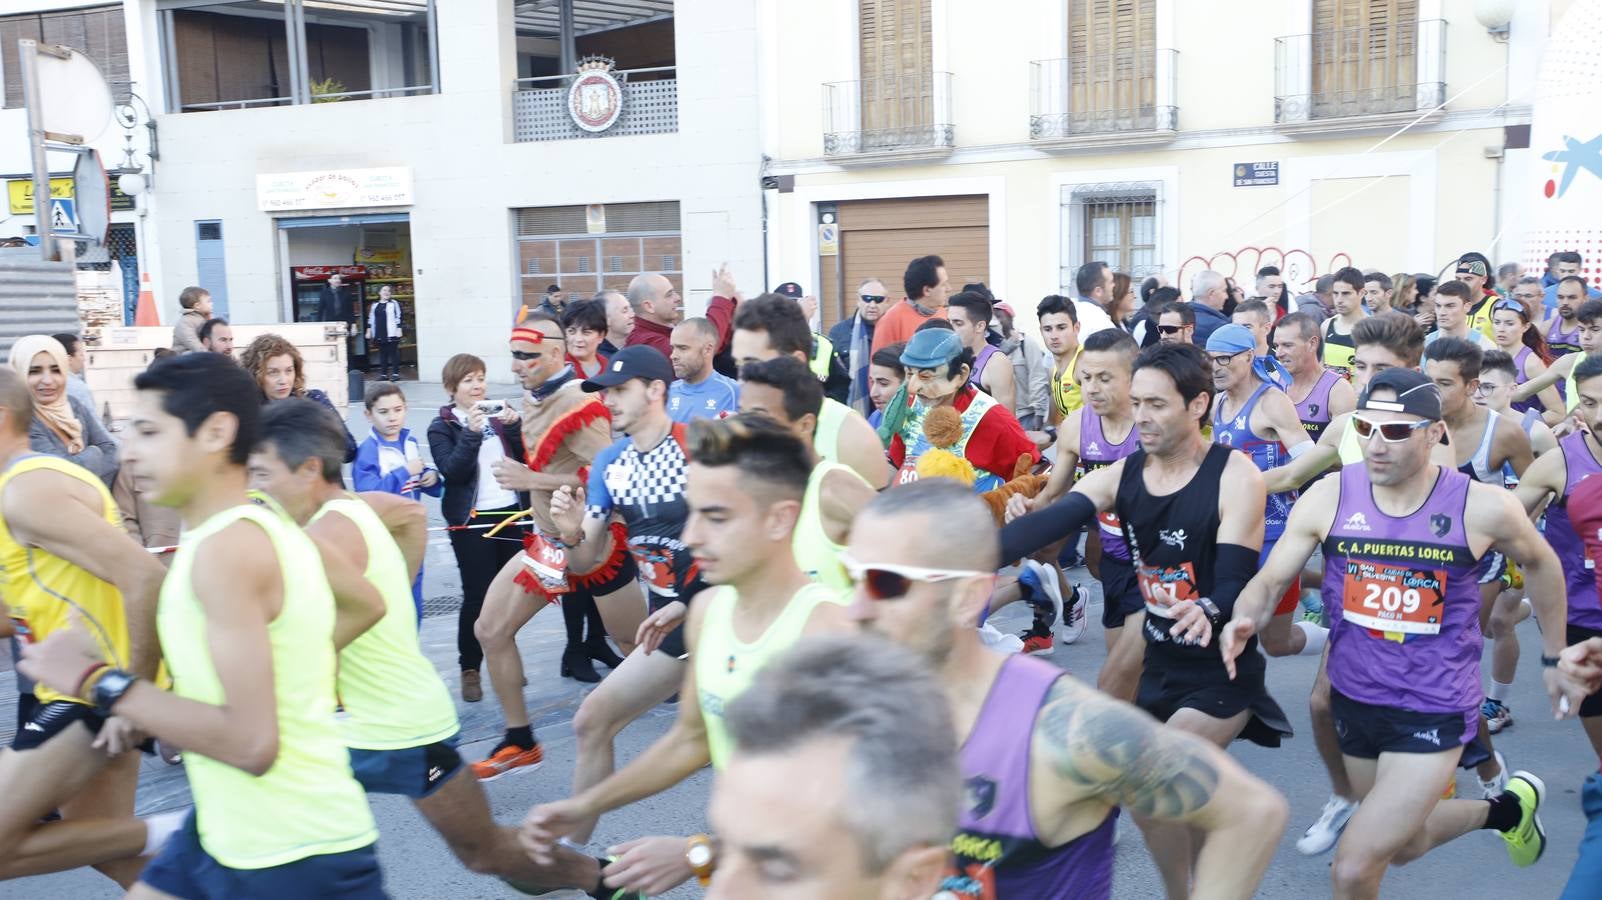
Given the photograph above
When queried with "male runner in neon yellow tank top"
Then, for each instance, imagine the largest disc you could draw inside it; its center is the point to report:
(61, 546)
(746, 478)
(400, 722)
(249, 629)
(784, 390)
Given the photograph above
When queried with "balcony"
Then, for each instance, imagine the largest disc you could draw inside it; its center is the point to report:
(1362, 77)
(1121, 98)
(888, 119)
(650, 106)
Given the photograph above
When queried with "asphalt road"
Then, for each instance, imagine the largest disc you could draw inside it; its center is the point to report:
(418, 865)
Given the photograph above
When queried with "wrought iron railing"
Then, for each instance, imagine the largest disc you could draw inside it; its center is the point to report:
(650, 106)
(1360, 71)
(1103, 93)
(888, 114)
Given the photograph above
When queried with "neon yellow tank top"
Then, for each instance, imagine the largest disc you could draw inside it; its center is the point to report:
(308, 803)
(724, 664)
(33, 582)
(392, 696)
(1065, 389)
(826, 436)
(818, 556)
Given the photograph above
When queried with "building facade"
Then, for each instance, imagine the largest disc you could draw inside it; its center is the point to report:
(1160, 136)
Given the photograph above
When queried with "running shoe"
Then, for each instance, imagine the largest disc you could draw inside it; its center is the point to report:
(1490, 790)
(1037, 581)
(1497, 715)
(1322, 834)
(995, 640)
(1037, 644)
(507, 760)
(1527, 841)
(1074, 619)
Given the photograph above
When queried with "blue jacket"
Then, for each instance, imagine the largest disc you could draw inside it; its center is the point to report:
(1207, 320)
(381, 466)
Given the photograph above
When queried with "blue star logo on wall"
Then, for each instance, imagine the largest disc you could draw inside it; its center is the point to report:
(1575, 156)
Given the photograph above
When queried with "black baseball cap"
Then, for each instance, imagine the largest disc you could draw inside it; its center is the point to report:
(790, 289)
(1415, 394)
(638, 361)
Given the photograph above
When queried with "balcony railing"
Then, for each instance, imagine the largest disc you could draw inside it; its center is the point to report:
(1362, 71)
(650, 106)
(1115, 92)
(889, 114)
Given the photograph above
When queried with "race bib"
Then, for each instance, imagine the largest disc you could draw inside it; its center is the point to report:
(976, 881)
(548, 562)
(1394, 598)
(909, 471)
(1110, 524)
(1178, 580)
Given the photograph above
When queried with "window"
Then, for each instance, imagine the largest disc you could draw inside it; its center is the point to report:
(555, 244)
(1119, 224)
(96, 32)
(1364, 57)
(245, 53)
(1112, 58)
(897, 64)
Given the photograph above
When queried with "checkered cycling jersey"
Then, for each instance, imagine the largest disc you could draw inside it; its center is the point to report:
(647, 489)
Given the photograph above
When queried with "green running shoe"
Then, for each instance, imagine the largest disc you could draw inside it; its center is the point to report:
(1527, 841)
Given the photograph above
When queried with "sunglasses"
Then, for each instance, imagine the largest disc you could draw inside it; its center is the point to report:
(1389, 432)
(883, 581)
(1512, 306)
(871, 298)
(1170, 329)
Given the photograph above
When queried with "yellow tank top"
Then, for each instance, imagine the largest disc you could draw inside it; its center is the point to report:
(392, 696)
(1065, 387)
(724, 664)
(41, 589)
(826, 436)
(818, 556)
(308, 803)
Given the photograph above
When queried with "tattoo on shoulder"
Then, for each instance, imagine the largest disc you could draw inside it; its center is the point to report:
(1121, 754)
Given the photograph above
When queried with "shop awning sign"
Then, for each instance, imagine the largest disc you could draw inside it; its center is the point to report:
(334, 189)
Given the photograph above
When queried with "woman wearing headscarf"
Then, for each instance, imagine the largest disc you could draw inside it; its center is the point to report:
(62, 426)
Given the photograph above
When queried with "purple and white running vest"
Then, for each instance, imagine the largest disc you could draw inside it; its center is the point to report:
(1237, 432)
(1313, 409)
(1519, 362)
(1579, 582)
(1405, 630)
(979, 364)
(1561, 341)
(1097, 451)
(997, 854)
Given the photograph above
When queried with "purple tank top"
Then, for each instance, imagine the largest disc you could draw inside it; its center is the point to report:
(1519, 362)
(1313, 409)
(1405, 627)
(1579, 582)
(1560, 341)
(998, 854)
(1237, 433)
(1097, 451)
(979, 365)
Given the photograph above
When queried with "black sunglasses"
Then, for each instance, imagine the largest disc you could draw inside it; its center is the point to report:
(1170, 329)
(872, 298)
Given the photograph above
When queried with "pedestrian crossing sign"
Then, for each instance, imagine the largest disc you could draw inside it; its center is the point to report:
(63, 216)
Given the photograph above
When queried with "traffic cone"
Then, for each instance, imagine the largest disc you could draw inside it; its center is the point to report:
(145, 312)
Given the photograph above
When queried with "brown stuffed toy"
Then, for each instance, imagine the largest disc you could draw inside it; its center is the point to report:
(943, 427)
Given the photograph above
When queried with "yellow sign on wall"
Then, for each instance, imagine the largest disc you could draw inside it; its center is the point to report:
(20, 193)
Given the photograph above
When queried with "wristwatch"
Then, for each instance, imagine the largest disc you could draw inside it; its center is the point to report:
(701, 853)
(110, 688)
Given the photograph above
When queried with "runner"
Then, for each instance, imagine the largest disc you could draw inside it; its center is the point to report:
(1254, 416)
(1101, 434)
(843, 782)
(770, 326)
(970, 314)
(1498, 380)
(1561, 372)
(1191, 543)
(1516, 336)
(399, 722)
(745, 493)
(1402, 537)
(1345, 294)
(563, 430)
(1563, 329)
(63, 554)
(1047, 760)
(245, 621)
(784, 390)
(1487, 445)
(938, 366)
(1255, 315)
(1319, 394)
(1556, 476)
(1059, 330)
(640, 478)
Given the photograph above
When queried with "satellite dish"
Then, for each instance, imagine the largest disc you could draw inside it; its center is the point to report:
(74, 99)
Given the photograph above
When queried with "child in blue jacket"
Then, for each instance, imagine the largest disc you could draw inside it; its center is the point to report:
(391, 460)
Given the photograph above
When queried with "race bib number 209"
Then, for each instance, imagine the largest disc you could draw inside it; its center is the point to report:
(1393, 598)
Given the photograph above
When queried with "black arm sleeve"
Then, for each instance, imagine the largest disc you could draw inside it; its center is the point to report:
(1232, 568)
(1026, 534)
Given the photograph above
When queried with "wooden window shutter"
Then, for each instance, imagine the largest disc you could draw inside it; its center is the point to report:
(1365, 56)
(897, 57)
(1111, 57)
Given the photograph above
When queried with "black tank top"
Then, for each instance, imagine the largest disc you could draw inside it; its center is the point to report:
(1173, 542)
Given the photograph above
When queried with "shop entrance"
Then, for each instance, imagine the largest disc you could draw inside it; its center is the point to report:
(369, 253)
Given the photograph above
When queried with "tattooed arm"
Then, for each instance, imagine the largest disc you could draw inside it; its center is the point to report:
(1107, 749)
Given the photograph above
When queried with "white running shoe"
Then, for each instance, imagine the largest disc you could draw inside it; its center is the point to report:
(1490, 790)
(1322, 834)
(1047, 578)
(1074, 618)
(994, 639)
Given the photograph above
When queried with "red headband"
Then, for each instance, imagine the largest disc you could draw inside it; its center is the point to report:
(529, 335)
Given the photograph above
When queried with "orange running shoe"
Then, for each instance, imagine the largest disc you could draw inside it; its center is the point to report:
(507, 760)
(1038, 644)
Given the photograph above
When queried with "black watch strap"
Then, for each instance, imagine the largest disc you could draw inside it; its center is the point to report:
(1548, 662)
(110, 688)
